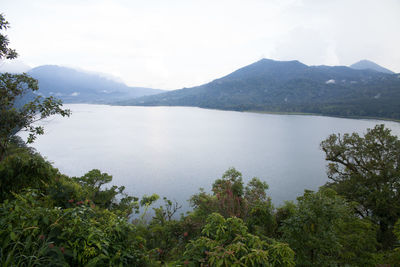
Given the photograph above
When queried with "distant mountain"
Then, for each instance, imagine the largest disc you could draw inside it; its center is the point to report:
(73, 86)
(291, 86)
(366, 64)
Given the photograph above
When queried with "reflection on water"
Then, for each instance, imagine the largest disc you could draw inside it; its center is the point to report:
(173, 151)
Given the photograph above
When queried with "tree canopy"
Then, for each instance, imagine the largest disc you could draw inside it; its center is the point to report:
(5, 51)
(323, 231)
(20, 108)
(366, 170)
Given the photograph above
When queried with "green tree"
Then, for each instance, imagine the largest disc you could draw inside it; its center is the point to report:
(229, 192)
(112, 198)
(323, 231)
(367, 170)
(394, 255)
(227, 242)
(15, 115)
(231, 198)
(284, 212)
(5, 51)
(260, 216)
(165, 236)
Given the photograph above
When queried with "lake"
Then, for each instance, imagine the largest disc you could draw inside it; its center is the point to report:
(173, 151)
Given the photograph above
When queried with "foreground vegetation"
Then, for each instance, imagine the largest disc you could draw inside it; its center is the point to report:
(50, 219)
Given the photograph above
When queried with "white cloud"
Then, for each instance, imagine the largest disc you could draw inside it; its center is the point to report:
(331, 81)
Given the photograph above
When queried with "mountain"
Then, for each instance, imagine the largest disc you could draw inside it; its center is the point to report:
(291, 86)
(366, 64)
(73, 86)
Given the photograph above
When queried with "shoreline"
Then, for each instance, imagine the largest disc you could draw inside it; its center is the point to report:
(258, 111)
(323, 115)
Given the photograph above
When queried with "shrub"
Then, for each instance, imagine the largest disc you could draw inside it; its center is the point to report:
(226, 242)
(34, 233)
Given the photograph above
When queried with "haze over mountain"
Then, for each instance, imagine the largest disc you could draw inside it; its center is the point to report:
(291, 86)
(13, 66)
(366, 64)
(74, 86)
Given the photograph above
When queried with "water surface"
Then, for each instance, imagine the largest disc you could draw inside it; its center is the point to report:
(173, 151)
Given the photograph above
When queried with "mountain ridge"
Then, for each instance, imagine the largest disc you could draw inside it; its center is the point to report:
(367, 64)
(291, 86)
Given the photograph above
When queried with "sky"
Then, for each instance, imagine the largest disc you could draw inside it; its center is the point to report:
(182, 43)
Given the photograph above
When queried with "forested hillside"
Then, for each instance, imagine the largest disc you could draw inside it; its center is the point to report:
(290, 86)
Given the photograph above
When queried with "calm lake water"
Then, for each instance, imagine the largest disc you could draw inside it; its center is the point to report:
(173, 151)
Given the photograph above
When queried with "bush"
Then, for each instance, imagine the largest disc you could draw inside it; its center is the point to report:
(226, 242)
(24, 170)
(33, 233)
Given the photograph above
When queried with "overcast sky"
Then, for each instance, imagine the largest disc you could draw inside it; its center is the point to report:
(170, 44)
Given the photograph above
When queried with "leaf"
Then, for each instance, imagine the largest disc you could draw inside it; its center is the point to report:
(13, 236)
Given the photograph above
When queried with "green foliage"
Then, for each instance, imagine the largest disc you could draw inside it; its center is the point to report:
(58, 224)
(367, 170)
(13, 119)
(165, 235)
(393, 256)
(284, 212)
(146, 202)
(323, 231)
(22, 239)
(24, 170)
(261, 220)
(33, 233)
(5, 51)
(232, 199)
(166, 212)
(260, 217)
(92, 184)
(255, 191)
(226, 242)
(64, 192)
(357, 238)
(229, 192)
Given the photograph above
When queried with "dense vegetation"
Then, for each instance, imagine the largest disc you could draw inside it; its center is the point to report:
(278, 86)
(50, 219)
